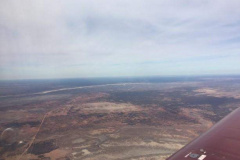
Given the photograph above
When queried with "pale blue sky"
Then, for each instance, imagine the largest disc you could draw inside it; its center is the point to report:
(78, 38)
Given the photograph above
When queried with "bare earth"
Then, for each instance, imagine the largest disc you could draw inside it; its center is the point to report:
(135, 121)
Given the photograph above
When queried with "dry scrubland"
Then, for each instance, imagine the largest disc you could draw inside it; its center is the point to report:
(145, 121)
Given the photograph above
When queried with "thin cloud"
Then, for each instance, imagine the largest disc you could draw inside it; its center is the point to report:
(40, 38)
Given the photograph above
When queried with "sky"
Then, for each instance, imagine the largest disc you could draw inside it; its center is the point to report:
(110, 38)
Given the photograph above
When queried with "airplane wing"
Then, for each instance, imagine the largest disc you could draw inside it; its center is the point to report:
(221, 142)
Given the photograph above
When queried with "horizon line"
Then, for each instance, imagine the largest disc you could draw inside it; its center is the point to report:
(114, 77)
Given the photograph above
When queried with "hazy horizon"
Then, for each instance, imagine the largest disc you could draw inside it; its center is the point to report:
(129, 77)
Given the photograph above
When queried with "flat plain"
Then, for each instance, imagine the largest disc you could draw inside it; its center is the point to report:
(140, 119)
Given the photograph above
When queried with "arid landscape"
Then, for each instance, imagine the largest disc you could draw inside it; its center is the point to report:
(116, 120)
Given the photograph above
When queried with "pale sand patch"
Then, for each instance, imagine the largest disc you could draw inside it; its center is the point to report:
(85, 152)
(104, 107)
(130, 152)
(114, 136)
(79, 140)
(166, 145)
(207, 91)
(57, 153)
(101, 131)
(217, 93)
(152, 158)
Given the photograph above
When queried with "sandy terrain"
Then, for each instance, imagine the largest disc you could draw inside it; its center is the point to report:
(135, 121)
